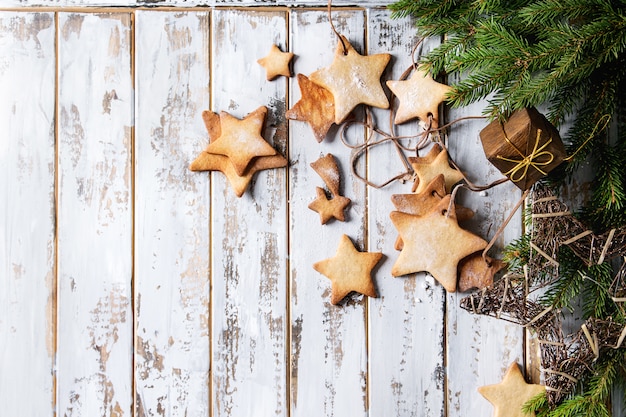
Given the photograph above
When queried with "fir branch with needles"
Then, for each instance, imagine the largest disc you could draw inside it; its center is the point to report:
(569, 57)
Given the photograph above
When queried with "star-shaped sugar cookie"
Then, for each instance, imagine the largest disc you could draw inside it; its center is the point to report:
(478, 272)
(349, 270)
(353, 79)
(241, 140)
(431, 165)
(329, 208)
(276, 63)
(434, 243)
(424, 202)
(420, 96)
(509, 396)
(316, 107)
(214, 162)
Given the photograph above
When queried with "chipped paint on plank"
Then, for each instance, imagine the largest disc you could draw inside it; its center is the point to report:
(479, 348)
(172, 240)
(250, 244)
(328, 356)
(406, 324)
(27, 220)
(95, 224)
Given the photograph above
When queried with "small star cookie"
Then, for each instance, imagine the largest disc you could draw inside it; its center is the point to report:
(426, 168)
(476, 272)
(349, 270)
(420, 96)
(424, 202)
(509, 396)
(329, 208)
(353, 79)
(316, 107)
(276, 63)
(434, 243)
(241, 140)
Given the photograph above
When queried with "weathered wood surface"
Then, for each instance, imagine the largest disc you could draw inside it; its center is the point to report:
(172, 233)
(27, 214)
(95, 227)
(406, 324)
(328, 343)
(158, 291)
(479, 348)
(249, 234)
(188, 3)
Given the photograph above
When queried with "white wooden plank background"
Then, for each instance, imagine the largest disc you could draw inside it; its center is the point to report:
(172, 234)
(95, 319)
(132, 286)
(328, 349)
(27, 214)
(479, 348)
(249, 234)
(414, 304)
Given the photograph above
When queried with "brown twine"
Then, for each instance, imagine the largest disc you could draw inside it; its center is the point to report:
(360, 149)
(330, 19)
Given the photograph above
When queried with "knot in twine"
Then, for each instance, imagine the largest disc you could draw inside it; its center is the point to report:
(519, 171)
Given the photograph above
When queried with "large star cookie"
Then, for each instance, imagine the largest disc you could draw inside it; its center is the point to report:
(420, 96)
(349, 270)
(428, 167)
(509, 396)
(424, 202)
(434, 243)
(276, 63)
(241, 140)
(353, 79)
(214, 162)
(316, 107)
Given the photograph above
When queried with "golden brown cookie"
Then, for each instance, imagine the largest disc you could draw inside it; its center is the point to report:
(434, 243)
(420, 96)
(276, 63)
(329, 208)
(316, 107)
(327, 168)
(207, 161)
(353, 79)
(241, 140)
(349, 270)
(509, 396)
(428, 167)
(478, 272)
(422, 203)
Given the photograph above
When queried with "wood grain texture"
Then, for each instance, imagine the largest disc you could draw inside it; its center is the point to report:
(27, 216)
(328, 343)
(172, 239)
(187, 3)
(406, 325)
(249, 246)
(95, 215)
(479, 349)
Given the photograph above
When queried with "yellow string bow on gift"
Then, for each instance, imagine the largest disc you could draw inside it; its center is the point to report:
(519, 171)
(528, 161)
